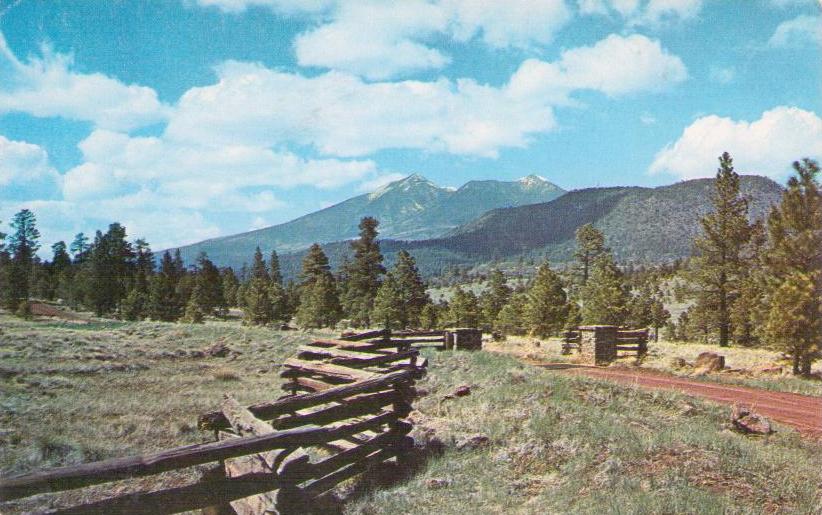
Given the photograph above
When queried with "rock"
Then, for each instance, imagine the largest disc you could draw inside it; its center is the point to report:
(471, 442)
(436, 483)
(709, 362)
(220, 350)
(768, 370)
(462, 391)
(746, 421)
(678, 364)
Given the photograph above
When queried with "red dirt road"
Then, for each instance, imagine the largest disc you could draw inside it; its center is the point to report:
(802, 412)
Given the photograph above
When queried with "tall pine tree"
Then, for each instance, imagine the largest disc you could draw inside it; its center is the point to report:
(319, 303)
(605, 296)
(794, 265)
(495, 297)
(590, 245)
(719, 266)
(259, 309)
(23, 245)
(363, 274)
(547, 306)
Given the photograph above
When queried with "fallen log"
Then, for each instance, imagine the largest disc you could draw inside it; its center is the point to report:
(76, 476)
(268, 410)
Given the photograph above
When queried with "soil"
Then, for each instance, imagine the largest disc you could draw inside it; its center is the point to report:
(47, 310)
(802, 412)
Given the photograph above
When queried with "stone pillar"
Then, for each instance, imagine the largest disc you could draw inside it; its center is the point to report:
(468, 339)
(597, 344)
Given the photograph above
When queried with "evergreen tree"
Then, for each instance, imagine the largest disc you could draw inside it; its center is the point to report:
(604, 296)
(719, 264)
(574, 319)
(276, 274)
(210, 285)
(464, 308)
(79, 247)
(111, 265)
(590, 245)
(230, 286)
(314, 266)
(164, 302)
(495, 296)
(363, 274)
(319, 303)
(389, 309)
(259, 309)
(291, 297)
(22, 246)
(511, 318)
(411, 289)
(794, 265)
(195, 313)
(429, 317)
(547, 306)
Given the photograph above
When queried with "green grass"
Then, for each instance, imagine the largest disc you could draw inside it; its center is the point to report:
(557, 444)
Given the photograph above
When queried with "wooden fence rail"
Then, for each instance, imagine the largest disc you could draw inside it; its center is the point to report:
(348, 418)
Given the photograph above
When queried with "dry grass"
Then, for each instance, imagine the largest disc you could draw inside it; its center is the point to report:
(556, 444)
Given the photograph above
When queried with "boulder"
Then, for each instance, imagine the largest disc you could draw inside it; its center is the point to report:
(709, 362)
(746, 421)
(471, 442)
(678, 364)
(462, 391)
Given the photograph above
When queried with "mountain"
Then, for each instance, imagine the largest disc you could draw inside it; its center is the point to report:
(643, 225)
(409, 209)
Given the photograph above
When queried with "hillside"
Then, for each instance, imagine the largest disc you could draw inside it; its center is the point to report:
(643, 225)
(413, 208)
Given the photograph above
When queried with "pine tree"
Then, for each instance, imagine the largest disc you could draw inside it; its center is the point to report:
(314, 266)
(111, 265)
(363, 274)
(429, 318)
(389, 309)
(719, 265)
(604, 296)
(164, 302)
(411, 289)
(22, 246)
(495, 296)
(230, 286)
(195, 313)
(590, 245)
(210, 285)
(259, 309)
(79, 248)
(511, 318)
(547, 307)
(464, 308)
(793, 260)
(319, 303)
(274, 265)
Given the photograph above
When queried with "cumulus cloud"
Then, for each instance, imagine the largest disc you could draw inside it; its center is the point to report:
(293, 7)
(379, 40)
(799, 31)
(765, 146)
(340, 114)
(647, 12)
(47, 87)
(23, 163)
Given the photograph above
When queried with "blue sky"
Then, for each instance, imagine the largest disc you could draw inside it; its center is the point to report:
(191, 119)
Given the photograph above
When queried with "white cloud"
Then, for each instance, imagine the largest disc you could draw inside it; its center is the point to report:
(378, 182)
(23, 163)
(765, 146)
(339, 114)
(799, 31)
(652, 13)
(47, 87)
(647, 119)
(615, 66)
(287, 7)
(379, 40)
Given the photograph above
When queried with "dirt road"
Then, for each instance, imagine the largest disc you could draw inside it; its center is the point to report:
(800, 411)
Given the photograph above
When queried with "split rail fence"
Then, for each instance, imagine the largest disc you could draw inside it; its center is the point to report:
(628, 342)
(344, 415)
(447, 339)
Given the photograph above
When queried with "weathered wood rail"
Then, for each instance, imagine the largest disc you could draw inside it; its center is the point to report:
(343, 416)
(456, 338)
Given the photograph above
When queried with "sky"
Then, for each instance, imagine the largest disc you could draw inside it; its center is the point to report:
(190, 119)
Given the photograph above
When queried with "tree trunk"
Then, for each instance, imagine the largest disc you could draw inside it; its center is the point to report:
(796, 363)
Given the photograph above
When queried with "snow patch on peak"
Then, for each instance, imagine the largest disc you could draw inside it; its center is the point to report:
(406, 184)
(532, 179)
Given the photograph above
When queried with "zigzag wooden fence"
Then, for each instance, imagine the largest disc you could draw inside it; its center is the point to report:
(278, 455)
(455, 338)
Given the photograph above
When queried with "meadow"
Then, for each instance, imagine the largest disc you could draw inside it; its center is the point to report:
(525, 440)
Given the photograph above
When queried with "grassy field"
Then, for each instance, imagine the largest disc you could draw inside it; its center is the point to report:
(743, 365)
(555, 444)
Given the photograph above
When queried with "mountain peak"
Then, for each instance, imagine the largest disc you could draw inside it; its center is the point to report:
(533, 179)
(413, 182)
